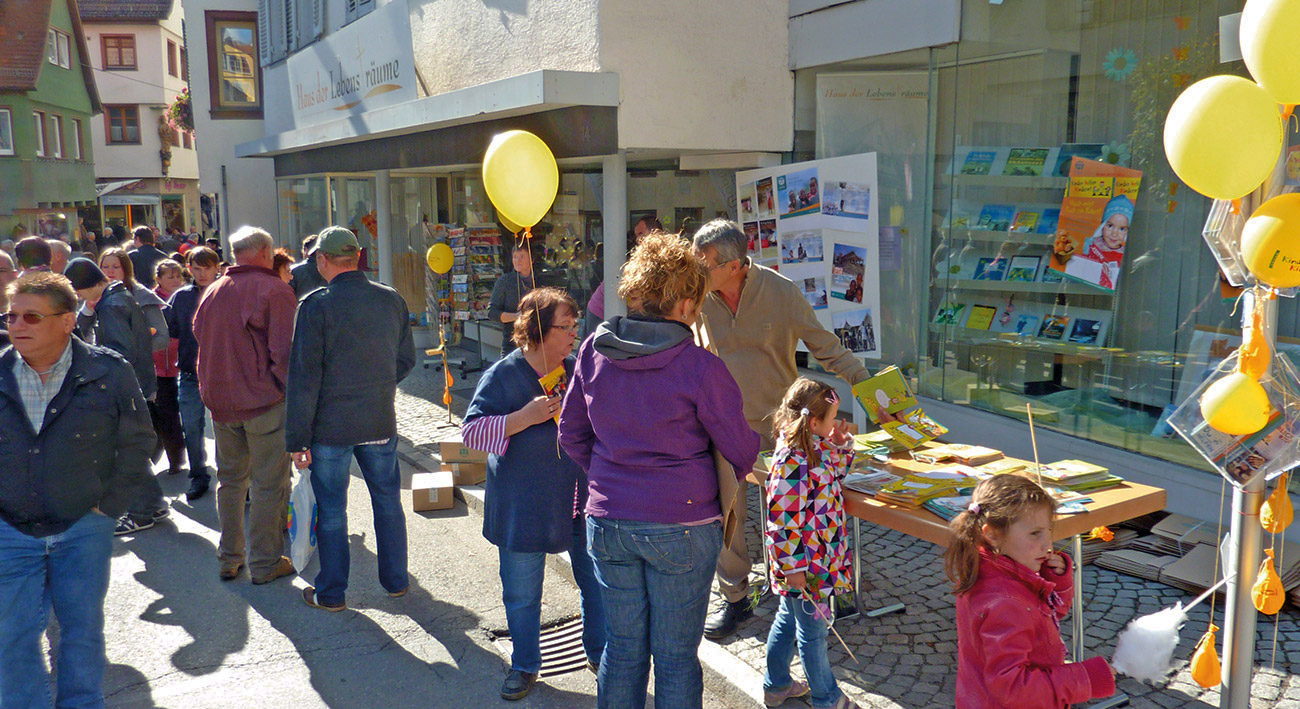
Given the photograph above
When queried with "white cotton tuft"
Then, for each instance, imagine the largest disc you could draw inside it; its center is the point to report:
(1145, 647)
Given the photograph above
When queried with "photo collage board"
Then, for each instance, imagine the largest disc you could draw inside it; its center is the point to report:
(816, 223)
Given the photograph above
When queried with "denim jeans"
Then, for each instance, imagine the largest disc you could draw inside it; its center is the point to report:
(795, 622)
(192, 424)
(69, 573)
(330, 467)
(521, 592)
(654, 579)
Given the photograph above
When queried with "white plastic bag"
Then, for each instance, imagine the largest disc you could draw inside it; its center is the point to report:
(302, 521)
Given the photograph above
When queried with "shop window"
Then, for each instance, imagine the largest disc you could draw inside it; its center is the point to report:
(173, 62)
(56, 137)
(58, 48)
(76, 139)
(118, 51)
(233, 70)
(39, 118)
(122, 124)
(6, 132)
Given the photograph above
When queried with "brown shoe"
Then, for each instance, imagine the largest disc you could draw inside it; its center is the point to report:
(283, 567)
(230, 572)
(309, 597)
(399, 594)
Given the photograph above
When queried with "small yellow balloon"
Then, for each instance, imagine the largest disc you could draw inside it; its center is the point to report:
(1270, 241)
(509, 225)
(1267, 592)
(520, 176)
(1236, 405)
(1223, 136)
(1277, 513)
(439, 258)
(1206, 669)
(1268, 31)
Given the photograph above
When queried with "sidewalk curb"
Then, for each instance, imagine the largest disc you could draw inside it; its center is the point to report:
(725, 675)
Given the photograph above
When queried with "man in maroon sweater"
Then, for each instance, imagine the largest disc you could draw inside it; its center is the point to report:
(244, 327)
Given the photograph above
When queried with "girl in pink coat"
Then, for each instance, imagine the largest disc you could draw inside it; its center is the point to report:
(1012, 592)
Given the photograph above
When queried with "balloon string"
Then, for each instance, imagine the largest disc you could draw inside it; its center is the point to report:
(528, 242)
(1277, 617)
(1218, 539)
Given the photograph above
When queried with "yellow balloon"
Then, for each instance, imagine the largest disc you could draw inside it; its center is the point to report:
(1268, 32)
(1223, 136)
(1270, 241)
(1236, 405)
(439, 258)
(509, 225)
(1277, 513)
(520, 176)
(1206, 669)
(1267, 592)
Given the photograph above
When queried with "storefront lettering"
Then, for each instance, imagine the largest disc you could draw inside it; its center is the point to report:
(876, 93)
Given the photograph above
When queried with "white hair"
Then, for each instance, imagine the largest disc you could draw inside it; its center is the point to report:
(248, 240)
(60, 245)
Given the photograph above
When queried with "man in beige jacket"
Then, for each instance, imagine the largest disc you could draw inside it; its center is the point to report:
(753, 318)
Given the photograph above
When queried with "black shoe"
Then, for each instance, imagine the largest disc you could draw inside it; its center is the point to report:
(517, 685)
(130, 525)
(198, 488)
(162, 512)
(723, 621)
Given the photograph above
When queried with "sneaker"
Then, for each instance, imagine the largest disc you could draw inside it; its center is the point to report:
(283, 567)
(198, 488)
(130, 525)
(162, 512)
(723, 621)
(517, 685)
(777, 697)
(309, 597)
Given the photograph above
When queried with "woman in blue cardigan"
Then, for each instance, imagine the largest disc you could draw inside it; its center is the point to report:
(535, 492)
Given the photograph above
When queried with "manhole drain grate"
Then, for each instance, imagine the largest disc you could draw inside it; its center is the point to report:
(562, 650)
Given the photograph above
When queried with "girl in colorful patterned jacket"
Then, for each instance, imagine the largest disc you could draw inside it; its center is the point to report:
(1012, 592)
(806, 540)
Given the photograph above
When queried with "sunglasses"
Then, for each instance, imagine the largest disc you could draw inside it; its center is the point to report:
(30, 318)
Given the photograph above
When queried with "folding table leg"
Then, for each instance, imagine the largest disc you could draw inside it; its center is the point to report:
(857, 579)
(1077, 544)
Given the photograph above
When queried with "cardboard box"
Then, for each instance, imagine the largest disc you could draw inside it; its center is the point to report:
(466, 473)
(431, 491)
(456, 452)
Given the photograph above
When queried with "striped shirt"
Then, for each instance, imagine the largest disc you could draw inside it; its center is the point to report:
(488, 434)
(36, 395)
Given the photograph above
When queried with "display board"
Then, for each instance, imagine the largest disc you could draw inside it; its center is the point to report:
(817, 224)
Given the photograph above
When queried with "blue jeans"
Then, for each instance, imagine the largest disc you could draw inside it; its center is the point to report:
(192, 424)
(521, 592)
(68, 572)
(655, 581)
(329, 480)
(794, 621)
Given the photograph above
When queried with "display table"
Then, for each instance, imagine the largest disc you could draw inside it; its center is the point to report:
(1109, 506)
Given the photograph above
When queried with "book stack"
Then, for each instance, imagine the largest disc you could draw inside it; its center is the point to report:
(1003, 466)
(869, 481)
(888, 391)
(959, 452)
(1079, 476)
(948, 507)
(916, 489)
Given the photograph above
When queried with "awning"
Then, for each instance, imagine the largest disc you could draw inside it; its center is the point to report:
(104, 188)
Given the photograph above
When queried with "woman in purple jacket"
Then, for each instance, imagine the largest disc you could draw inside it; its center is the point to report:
(644, 407)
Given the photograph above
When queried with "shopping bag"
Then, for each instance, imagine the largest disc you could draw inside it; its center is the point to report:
(301, 522)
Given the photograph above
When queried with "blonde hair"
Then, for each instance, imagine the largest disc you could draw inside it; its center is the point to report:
(803, 402)
(662, 271)
(998, 502)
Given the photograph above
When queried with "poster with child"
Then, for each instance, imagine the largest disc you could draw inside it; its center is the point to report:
(1095, 217)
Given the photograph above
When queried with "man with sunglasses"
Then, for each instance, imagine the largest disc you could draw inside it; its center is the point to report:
(75, 439)
(351, 346)
(754, 318)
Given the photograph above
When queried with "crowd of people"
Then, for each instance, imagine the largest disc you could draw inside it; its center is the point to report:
(630, 455)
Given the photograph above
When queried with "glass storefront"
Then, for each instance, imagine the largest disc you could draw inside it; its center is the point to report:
(304, 210)
(998, 300)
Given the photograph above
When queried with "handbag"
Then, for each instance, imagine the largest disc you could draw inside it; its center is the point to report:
(728, 485)
(301, 521)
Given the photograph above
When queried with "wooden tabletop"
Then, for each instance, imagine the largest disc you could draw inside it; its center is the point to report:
(1110, 506)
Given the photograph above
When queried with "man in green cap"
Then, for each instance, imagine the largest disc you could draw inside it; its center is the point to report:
(351, 346)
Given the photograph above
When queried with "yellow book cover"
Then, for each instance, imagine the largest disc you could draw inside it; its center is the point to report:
(555, 383)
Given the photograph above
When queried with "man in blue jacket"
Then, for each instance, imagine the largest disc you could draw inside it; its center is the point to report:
(75, 440)
(351, 346)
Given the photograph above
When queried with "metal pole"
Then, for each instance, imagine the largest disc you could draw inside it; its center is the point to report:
(1244, 552)
(384, 227)
(614, 218)
(1076, 549)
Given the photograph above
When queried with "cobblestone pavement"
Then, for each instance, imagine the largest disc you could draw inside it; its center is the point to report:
(908, 659)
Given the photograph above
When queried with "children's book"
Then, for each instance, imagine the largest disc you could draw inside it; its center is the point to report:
(1069, 151)
(981, 317)
(979, 162)
(1026, 325)
(960, 452)
(1026, 162)
(991, 269)
(886, 390)
(1024, 269)
(1053, 327)
(1025, 222)
(996, 217)
(949, 314)
(914, 428)
(554, 384)
(1048, 220)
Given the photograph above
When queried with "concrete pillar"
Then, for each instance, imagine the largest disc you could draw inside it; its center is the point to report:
(614, 218)
(384, 216)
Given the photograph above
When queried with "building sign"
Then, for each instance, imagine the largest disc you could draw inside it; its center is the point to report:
(366, 65)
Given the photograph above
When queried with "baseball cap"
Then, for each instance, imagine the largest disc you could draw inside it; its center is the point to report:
(336, 241)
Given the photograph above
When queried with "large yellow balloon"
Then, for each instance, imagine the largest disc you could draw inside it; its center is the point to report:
(509, 225)
(1268, 32)
(439, 258)
(1223, 136)
(1270, 241)
(520, 176)
(1236, 405)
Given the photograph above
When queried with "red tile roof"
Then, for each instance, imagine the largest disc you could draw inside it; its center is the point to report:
(23, 25)
(125, 10)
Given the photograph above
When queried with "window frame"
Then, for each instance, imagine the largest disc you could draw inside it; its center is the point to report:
(219, 109)
(52, 46)
(173, 64)
(187, 140)
(109, 111)
(7, 120)
(64, 41)
(77, 137)
(55, 134)
(39, 121)
(104, 40)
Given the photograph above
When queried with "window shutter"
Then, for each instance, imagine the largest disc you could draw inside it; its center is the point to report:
(264, 31)
(317, 18)
(351, 12)
(290, 26)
